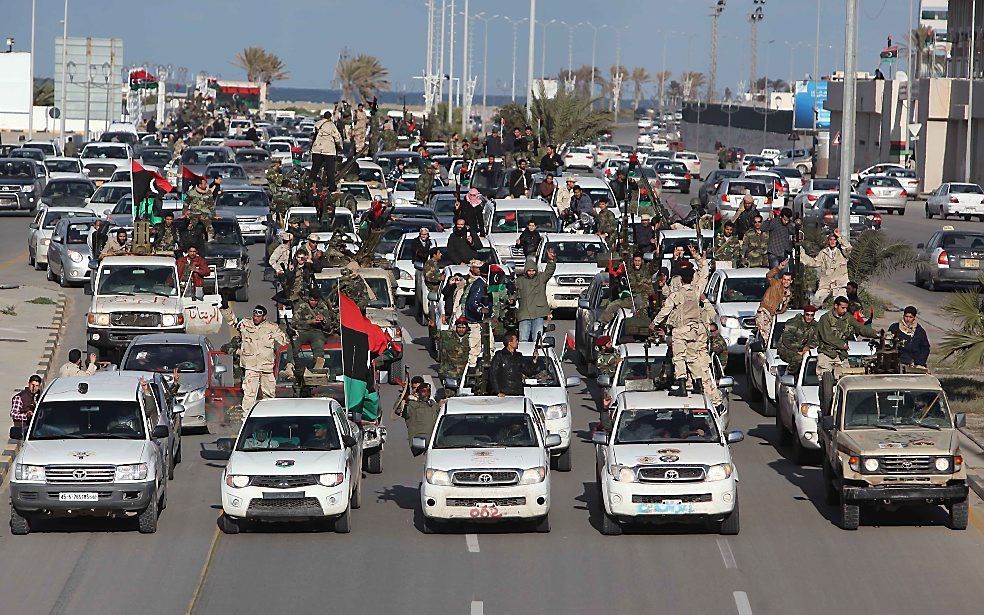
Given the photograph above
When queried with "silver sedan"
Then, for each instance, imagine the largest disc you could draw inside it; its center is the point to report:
(69, 251)
(884, 193)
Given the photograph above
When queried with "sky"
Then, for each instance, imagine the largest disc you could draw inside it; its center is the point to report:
(309, 35)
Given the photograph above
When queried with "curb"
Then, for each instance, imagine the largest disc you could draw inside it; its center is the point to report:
(11, 447)
(976, 484)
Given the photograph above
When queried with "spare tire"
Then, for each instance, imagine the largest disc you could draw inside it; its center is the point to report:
(826, 392)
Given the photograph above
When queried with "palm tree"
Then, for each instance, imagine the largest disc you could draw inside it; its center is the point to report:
(661, 80)
(928, 63)
(362, 75)
(639, 77)
(692, 81)
(965, 345)
(674, 91)
(261, 65)
(568, 117)
(614, 71)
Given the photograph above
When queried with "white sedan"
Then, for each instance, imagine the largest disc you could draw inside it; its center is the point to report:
(956, 199)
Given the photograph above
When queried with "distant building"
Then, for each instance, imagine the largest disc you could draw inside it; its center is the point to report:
(933, 14)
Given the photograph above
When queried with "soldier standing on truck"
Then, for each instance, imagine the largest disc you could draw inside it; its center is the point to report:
(834, 330)
(258, 353)
(310, 320)
(201, 207)
(729, 248)
(832, 263)
(798, 338)
(756, 244)
(775, 301)
(454, 349)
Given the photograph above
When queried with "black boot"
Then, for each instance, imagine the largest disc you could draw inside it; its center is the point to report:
(698, 387)
(681, 388)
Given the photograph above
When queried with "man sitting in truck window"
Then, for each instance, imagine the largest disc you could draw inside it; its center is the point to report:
(260, 439)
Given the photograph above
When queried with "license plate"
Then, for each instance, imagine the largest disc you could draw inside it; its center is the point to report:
(78, 496)
(972, 262)
(669, 182)
(485, 511)
(277, 495)
(855, 219)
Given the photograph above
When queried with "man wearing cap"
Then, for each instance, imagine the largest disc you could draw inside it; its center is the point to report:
(261, 340)
(910, 339)
(531, 290)
(420, 246)
(565, 193)
(606, 225)
(454, 347)
(607, 360)
(420, 413)
(311, 321)
(551, 161)
(834, 330)
(798, 338)
(832, 263)
(425, 183)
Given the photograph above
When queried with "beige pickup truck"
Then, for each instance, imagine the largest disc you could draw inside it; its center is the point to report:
(889, 441)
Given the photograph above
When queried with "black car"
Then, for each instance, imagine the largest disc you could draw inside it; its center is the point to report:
(864, 216)
(21, 183)
(673, 175)
(67, 192)
(156, 156)
(228, 256)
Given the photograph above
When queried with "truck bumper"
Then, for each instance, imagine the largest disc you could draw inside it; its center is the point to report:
(466, 503)
(118, 338)
(669, 503)
(113, 497)
(232, 278)
(903, 494)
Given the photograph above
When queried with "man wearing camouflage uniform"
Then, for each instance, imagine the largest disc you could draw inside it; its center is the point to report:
(274, 178)
(624, 302)
(432, 270)
(454, 347)
(359, 129)
(424, 184)
(729, 248)
(310, 321)
(353, 286)
(640, 275)
(337, 253)
(798, 338)
(166, 239)
(201, 207)
(832, 263)
(606, 224)
(718, 345)
(606, 363)
(756, 245)
(297, 278)
(834, 330)
(420, 413)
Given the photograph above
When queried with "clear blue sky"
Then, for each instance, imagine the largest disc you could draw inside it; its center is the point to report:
(309, 34)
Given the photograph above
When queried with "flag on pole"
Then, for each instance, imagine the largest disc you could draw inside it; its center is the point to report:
(497, 279)
(189, 178)
(362, 342)
(148, 186)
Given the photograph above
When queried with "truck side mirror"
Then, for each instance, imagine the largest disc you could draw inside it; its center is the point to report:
(418, 445)
(604, 381)
(960, 420)
(16, 432)
(756, 346)
(599, 437)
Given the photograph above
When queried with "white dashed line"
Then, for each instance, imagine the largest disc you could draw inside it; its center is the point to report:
(726, 553)
(741, 602)
(477, 607)
(472, 541)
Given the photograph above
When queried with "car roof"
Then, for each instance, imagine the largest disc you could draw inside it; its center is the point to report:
(118, 385)
(889, 381)
(485, 404)
(294, 406)
(744, 272)
(116, 185)
(659, 399)
(583, 237)
(70, 179)
(169, 338)
(590, 181)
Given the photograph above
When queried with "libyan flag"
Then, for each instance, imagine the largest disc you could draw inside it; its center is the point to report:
(362, 343)
(188, 179)
(497, 279)
(149, 187)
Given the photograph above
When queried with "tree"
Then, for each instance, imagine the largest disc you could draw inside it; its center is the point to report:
(513, 113)
(928, 63)
(614, 71)
(639, 78)
(44, 92)
(261, 65)
(362, 75)
(568, 117)
(675, 92)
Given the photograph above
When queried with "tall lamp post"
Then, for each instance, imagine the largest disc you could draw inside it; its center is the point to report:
(485, 55)
(515, 25)
(64, 61)
(529, 62)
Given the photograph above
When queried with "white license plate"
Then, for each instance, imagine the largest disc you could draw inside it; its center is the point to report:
(855, 219)
(78, 496)
(972, 262)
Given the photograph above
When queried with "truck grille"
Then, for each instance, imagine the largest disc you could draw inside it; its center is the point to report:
(671, 474)
(100, 170)
(284, 482)
(10, 188)
(907, 465)
(471, 502)
(135, 319)
(67, 475)
(748, 322)
(264, 505)
(574, 280)
(659, 499)
(485, 478)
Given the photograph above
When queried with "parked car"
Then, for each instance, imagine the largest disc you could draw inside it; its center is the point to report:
(956, 199)
(950, 258)
(884, 193)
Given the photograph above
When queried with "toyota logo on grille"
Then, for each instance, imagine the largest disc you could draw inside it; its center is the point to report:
(79, 474)
(579, 281)
(906, 464)
(671, 475)
(485, 478)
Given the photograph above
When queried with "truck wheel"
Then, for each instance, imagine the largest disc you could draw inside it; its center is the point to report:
(49, 275)
(826, 392)
(374, 463)
(784, 435)
(343, 524)
(62, 280)
(228, 525)
(730, 525)
(39, 266)
(767, 408)
(356, 501)
(958, 510)
(147, 521)
(177, 455)
(801, 456)
(753, 393)
(850, 515)
(20, 525)
(609, 524)
(562, 462)
(170, 468)
(242, 294)
(827, 474)
(542, 525)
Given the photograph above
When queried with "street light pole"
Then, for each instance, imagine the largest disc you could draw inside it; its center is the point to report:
(466, 75)
(970, 90)
(30, 114)
(529, 63)
(515, 23)
(64, 97)
(848, 117)
(451, 66)
(485, 59)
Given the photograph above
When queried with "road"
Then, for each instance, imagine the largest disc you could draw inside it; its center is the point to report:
(788, 558)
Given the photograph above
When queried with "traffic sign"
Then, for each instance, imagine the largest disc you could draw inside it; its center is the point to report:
(54, 113)
(837, 138)
(914, 128)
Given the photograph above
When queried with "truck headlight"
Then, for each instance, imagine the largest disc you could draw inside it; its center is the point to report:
(232, 263)
(405, 275)
(730, 322)
(957, 461)
(871, 464)
(194, 396)
(172, 320)
(533, 476)
(237, 481)
(437, 477)
(133, 471)
(942, 464)
(28, 188)
(854, 462)
(99, 318)
(29, 473)
(810, 411)
(75, 256)
(623, 474)
(556, 411)
(720, 471)
(45, 242)
(330, 480)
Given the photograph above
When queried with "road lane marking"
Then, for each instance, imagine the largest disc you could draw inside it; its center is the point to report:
(20, 258)
(472, 541)
(477, 607)
(741, 603)
(726, 553)
(204, 573)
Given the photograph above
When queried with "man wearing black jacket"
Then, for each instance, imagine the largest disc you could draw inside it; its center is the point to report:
(911, 339)
(510, 367)
(520, 181)
(461, 244)
(551, 161)
(493, 145)
(421, 245)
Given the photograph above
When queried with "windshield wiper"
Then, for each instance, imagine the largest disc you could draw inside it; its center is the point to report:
(881, 426)
(922, 424)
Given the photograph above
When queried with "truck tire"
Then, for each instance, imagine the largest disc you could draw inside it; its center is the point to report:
(147, 521)
(801, 456)
(850, 514)
(609, 524)
(767, 408)
(242, 294)
(958, 509)
(343, 524)
(542, 525)
(785, 437)
(228, 525)
(170, 467)
(20, 525)
(826, 392)
(827, 476)
(355, 502)
(730, 525)
(562, 462)
(374, 463)
(753, 393)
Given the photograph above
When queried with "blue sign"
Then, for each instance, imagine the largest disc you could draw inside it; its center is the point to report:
(809, 99)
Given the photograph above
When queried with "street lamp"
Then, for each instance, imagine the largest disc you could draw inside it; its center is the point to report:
(543, 46)
(594, 46)
(485, 55)
(515, 23)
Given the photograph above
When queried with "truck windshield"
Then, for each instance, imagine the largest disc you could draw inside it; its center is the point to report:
(88, 419)
(575, 251)
(137, 279)
(654, 426)
(295, 433)
(484, 431)
(738, 290)
(514, 221)
(16, 169)
(186, 358)
(896, 408)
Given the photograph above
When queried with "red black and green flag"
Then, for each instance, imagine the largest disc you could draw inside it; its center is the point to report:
(149, 188)
(497, 279)
(362, 343)
(188, 179)
(618, 279)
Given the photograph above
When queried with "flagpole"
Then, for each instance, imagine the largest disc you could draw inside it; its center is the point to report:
(133, 198)
(341, 342)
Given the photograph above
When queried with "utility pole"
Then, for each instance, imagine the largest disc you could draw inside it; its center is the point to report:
(30, 115)
(515, 23)
(466, 74)
(529, 61)
(757, 15)
(712, 73)
(970, 90)
(849, 116)
(662, 80)
(485, 59)
(64, 68)
(908, 95)
(440, 63)
(451, 66)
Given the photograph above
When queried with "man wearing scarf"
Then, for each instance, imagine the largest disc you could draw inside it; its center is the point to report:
(910, 338)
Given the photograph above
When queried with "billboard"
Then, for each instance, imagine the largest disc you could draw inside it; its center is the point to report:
(810, 96)
(15, 83)
(92, 74)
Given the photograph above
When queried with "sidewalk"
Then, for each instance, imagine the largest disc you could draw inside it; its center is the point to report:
(28, 336)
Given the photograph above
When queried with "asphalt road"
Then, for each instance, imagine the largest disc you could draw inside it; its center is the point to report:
(788, 558)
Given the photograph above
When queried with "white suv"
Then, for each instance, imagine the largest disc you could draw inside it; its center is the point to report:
(577, 264)
(668, 461)
(294, 459)
(487, 461)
